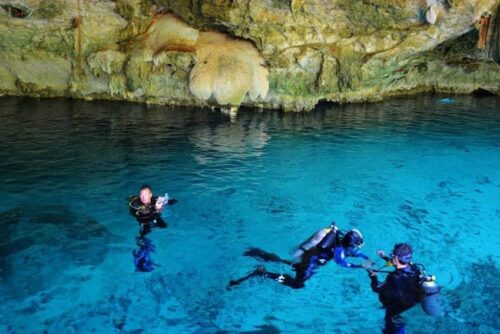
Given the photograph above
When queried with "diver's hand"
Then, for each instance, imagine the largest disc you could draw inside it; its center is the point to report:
(381, 253)
(160, 202)
(368, 264)
(372, 273)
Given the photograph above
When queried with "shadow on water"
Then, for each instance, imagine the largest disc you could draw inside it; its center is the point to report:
(263, 329)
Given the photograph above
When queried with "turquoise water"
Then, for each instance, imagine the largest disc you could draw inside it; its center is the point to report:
(415, 170)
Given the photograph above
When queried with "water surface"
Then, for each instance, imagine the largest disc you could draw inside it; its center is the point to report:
(414, 170)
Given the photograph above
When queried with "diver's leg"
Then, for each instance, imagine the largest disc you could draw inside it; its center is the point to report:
(144, 263)
(262, 272)
(284, 279)
(144, 229)
(389, 326)
(307, 267)
(257, 272)
(393, 322)
(303, 271)
(142, 257)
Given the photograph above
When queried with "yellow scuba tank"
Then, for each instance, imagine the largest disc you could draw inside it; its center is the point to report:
(431, 301)
(314, 240)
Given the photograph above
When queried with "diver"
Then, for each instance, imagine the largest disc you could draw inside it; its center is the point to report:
(404, 288)
(147, 209)
(321, 247)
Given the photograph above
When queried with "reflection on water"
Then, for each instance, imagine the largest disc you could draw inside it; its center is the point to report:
(231, 140)
(414, 170)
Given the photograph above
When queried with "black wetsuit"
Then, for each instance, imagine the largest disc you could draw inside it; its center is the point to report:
(146, 214)
(311, 260)
(398, 293)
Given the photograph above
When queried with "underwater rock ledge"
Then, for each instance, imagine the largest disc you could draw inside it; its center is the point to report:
(266, 54)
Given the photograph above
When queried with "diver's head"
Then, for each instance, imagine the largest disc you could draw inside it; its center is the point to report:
(402, 254)
(145, 194)
(353, 238)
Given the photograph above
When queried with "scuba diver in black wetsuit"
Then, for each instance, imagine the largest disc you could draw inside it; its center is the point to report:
(323, 246)
(404, 288)
(147, 209)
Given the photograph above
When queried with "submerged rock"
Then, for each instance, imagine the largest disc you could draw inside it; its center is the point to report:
(39, 244)
(271, 53)
(472, 307)
(477, 297)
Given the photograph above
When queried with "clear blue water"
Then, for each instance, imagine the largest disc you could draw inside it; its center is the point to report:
(414, 170)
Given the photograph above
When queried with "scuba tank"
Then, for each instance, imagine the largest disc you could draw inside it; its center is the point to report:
(429, 291)
(325, 236)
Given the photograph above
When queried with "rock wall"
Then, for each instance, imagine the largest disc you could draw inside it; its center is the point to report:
(286, 54)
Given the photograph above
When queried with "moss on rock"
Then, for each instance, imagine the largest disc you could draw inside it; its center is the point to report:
(49, 9)
(8, 79)
(42, 77)
(106, 62)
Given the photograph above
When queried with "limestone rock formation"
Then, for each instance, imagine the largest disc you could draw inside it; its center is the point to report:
(286, 54)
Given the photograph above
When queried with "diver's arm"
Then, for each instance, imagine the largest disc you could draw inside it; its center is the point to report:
(359, 254)
(161, 201)
(387, 259)
(367, 263)
(158, 203)
(384, 257)
(375, 284)
(339, 258)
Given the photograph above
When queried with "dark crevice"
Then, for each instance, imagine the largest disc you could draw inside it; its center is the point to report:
(480, 92)
(15, 10)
